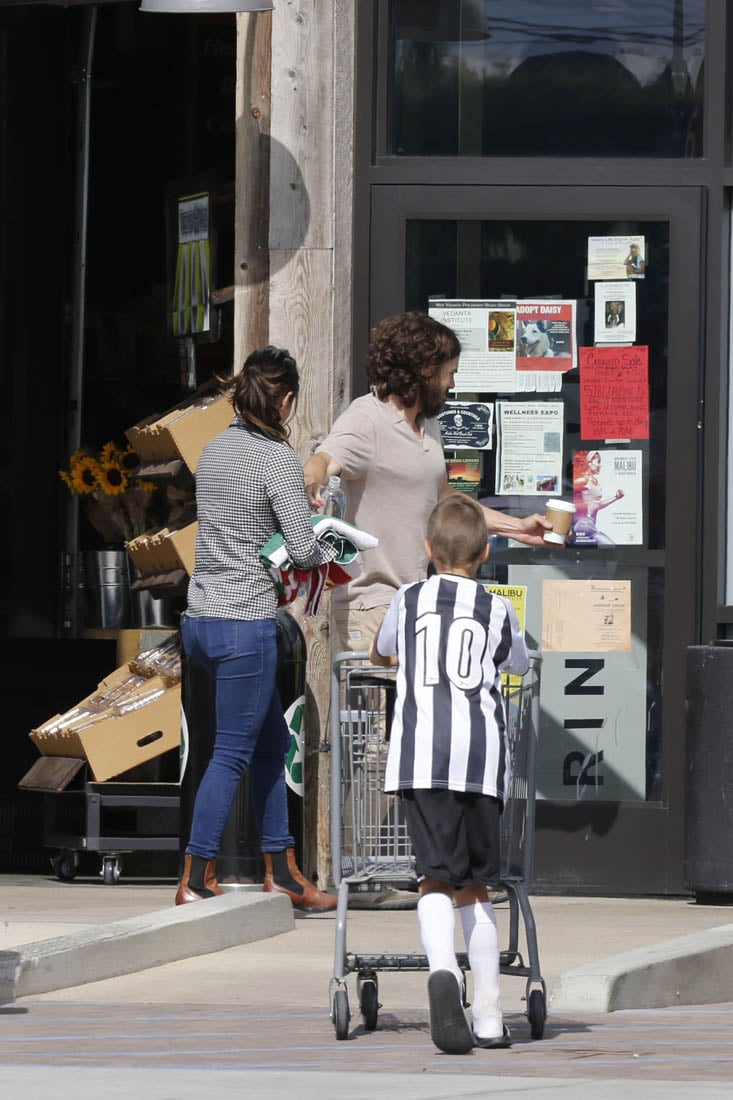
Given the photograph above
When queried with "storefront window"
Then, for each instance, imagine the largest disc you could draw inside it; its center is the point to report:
(572, 78)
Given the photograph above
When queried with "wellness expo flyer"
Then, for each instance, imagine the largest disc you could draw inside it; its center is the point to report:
(530, 435)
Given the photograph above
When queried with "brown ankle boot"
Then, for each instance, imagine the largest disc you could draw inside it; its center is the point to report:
(185, 894)
(308, 897)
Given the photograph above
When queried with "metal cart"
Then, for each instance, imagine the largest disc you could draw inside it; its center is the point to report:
(113, 818)
(369, 841)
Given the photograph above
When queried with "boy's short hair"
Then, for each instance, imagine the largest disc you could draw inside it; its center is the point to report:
(457, 530)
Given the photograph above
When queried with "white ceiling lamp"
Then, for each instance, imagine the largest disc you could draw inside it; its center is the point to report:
(195, 7)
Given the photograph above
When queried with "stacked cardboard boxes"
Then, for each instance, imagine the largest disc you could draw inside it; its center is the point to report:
(163, 444)
(180, 434)
(133, 716)
(164, 550)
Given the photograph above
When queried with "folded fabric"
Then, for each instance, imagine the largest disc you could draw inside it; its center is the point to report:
(344, 541)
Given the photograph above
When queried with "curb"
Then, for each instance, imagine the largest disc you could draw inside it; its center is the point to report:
(138, 943)
(691, 970)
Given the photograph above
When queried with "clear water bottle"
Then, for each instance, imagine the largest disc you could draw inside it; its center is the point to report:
(334, 499)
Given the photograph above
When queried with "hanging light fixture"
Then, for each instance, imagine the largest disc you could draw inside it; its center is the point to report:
(195, 7)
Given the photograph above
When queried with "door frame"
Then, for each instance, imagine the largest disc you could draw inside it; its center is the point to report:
(645, 850)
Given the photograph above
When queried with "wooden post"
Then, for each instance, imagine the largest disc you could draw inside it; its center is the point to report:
(294, 124)
(310, 295)
(251, 213)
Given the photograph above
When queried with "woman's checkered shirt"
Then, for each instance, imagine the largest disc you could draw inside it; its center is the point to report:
(248, 487)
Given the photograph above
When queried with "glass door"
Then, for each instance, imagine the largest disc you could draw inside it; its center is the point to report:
(610, 771)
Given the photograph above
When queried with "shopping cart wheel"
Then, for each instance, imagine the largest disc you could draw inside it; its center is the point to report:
(65, 865)
(369, 1004)
(110, 870)
(536, 1013)
(341, 1013)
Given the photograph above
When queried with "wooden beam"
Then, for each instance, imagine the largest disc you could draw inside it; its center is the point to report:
(310, 295)
(252, 173)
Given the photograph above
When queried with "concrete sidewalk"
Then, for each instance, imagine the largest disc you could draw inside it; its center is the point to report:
(255, 1016)
(596, 954)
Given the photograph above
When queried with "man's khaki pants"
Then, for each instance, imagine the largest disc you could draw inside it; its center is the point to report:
(354, 630)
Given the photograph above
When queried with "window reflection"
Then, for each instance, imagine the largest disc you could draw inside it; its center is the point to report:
(572, 78)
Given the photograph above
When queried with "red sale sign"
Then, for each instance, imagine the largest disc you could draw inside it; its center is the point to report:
(614, 393)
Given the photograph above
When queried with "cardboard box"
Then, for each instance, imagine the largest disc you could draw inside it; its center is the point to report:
(142, 553)
(134, 640)
(164, 550)
(182, 432)
(129, 719)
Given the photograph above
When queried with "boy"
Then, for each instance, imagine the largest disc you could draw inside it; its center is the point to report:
(449, 761)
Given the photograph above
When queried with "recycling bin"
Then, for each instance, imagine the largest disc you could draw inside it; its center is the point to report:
(708, 859)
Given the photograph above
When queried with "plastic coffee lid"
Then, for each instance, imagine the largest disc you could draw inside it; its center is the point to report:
(560, 505)
(552, 536)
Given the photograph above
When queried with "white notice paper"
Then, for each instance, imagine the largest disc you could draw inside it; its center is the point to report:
(615, 313)
(487, 332)
(530, 435)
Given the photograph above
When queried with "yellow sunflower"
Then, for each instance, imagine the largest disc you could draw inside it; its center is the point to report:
(83, 473)
(109, 452)
(112, 478)
(128, 459)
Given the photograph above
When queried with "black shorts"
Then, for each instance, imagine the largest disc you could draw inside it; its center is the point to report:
(455, 836)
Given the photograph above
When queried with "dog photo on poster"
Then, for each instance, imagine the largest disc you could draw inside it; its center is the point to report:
(546, 335)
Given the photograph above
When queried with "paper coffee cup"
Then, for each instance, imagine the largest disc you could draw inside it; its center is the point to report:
(560, 514)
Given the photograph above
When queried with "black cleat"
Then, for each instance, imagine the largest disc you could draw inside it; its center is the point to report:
(449, 1027)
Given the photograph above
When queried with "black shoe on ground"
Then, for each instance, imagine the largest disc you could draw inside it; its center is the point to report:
(497, 1043)
(449, 1027)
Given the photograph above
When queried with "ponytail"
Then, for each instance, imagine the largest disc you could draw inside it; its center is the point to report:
(267, 376)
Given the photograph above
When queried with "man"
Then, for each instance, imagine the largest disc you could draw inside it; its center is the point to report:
(635, 263)
(386, 447)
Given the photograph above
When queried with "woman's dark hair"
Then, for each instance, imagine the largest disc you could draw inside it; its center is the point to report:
(401, 349)
(267, 376)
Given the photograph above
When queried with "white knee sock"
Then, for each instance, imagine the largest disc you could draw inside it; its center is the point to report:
(437, 921)
(482, 946)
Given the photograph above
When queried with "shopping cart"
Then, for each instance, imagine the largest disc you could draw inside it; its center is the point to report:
(371, 848)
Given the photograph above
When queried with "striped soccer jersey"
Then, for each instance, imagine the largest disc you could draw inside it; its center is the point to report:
(453, 640)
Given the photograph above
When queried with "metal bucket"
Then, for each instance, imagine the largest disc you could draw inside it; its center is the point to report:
(149, 611)
(106, 589)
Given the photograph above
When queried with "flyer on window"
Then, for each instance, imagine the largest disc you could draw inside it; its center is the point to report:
(615, 313)
(614, 392)
(607, 494)
(546, 335)
(466, 424)
(619, 257)
(487, 332)
(516, 594)
(464, 471)
(586, 616)
(529, 441)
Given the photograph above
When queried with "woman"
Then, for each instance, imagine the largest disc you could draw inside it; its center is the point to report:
(249, 485)
(589, 499)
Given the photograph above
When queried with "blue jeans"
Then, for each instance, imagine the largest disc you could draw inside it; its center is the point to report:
(251, 732)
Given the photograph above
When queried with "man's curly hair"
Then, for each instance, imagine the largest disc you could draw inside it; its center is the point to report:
(405, 352)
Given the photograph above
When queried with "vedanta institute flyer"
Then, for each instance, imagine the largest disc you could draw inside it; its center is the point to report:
(487, 332)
